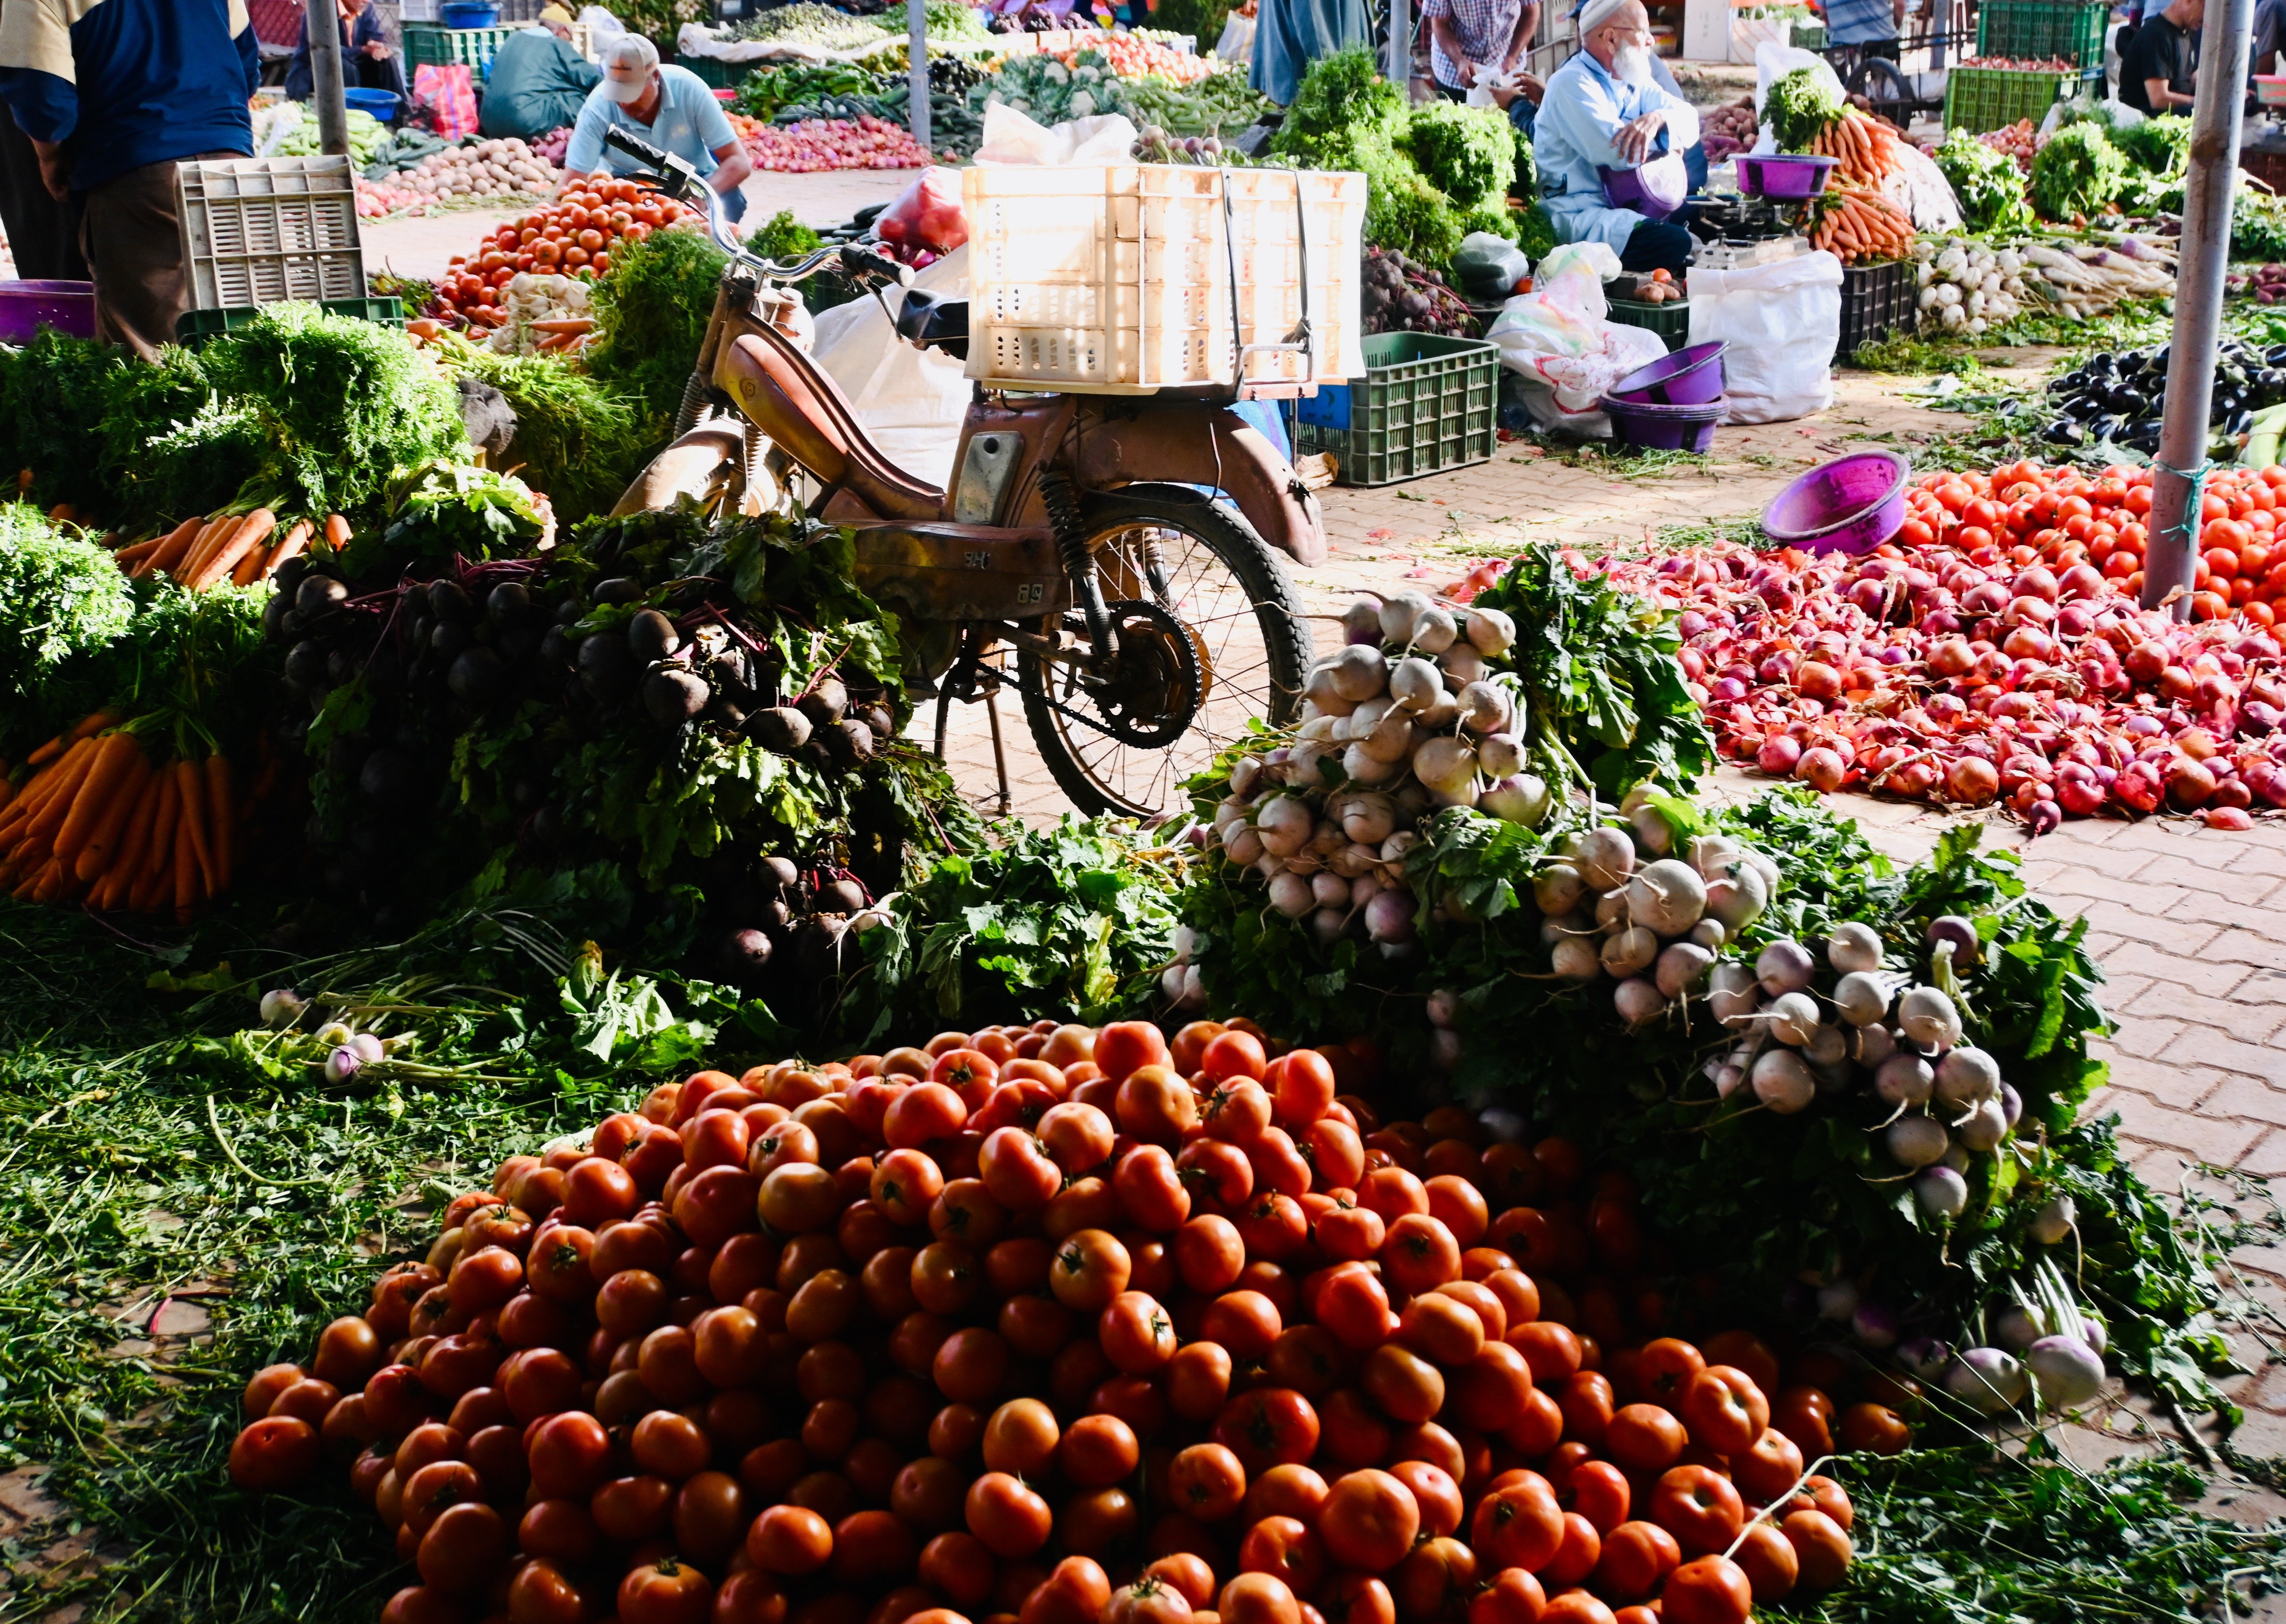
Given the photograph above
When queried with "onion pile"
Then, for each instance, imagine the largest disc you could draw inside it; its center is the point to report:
(820, 144)
(1947, 669)
(1406, 743)
(987, 1328)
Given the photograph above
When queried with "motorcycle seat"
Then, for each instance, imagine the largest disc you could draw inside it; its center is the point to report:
(784, 392)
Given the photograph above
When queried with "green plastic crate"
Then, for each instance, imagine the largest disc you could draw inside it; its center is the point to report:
(1978, 99)
(1808, 36)
(2072, 30)
(427, 43)
(195, 327)
(716, 73)
(1426, 403)
(1671, 321)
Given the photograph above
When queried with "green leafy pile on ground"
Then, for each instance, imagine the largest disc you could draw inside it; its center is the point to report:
(651, 310)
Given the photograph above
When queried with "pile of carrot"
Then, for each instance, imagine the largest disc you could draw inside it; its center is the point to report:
(1866, 147)
(1857, 223)
(241, 548)
(100, 821)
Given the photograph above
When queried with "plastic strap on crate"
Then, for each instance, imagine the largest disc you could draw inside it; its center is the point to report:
(1299, 340)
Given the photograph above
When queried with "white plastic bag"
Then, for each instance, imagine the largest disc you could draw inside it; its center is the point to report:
(1237, 42)
(910, 401)
(1783, 322)
(1772, 63)
(1565, 356)
(1010, 137)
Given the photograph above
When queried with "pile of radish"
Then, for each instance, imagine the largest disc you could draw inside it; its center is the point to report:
(819, 144)
(1406, 743)
(1995, 652)
(1057, 1326)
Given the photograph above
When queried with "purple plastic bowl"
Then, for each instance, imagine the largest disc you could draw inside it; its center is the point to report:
(27, 307)
(1664, 428)
(1688, 377)
(1783, 174)
(1849, 505)
(1624, 189)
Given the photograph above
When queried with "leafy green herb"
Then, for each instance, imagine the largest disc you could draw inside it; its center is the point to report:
(442, 508)
(580, 443)
(1469, 153)
(60, 594)
(1988, 184)
(1800, 105)
(2078, 173)
(651, 310)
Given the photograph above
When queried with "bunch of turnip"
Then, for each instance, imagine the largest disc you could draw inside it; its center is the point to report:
(1623, 902)
(1408, 717)
(2044, 1345)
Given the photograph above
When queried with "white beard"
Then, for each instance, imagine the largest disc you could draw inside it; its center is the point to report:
(1631, 65)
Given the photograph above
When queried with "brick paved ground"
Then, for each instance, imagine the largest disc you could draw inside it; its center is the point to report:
(2190, 924)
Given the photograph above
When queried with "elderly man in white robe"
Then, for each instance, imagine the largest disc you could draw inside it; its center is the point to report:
(1604, 111)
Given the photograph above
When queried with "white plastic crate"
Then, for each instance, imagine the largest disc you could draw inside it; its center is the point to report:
(259, 230)
(1120, 280)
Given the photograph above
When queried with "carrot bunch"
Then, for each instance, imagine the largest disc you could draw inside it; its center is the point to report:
(1866, 147)
(1855, 223)
(241, 548)
(100, 821)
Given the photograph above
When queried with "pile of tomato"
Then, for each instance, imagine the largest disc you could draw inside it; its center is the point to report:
(1050, 1326)
(573, 236)
(2064, 516)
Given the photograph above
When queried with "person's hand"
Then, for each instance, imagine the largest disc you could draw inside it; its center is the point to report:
(1633, 143)
(378, 49)
(55, 172)
(1504, 95)
(1532, 87)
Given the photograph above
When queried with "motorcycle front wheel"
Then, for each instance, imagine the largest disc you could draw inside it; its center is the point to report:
(1249, 651)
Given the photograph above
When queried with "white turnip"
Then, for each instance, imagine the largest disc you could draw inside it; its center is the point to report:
(1500, 755)
(1490, 631)
(1400, 614)
(1738, 900)
(1793, 1018)
(1359, 672)
(1941, 1191)
(1854, 946)
(2066, 1372)
(1574, 958)
(1364, 766)
(1445, 766)
(1827, 1049)
(282, 1007)
(1785, 967)
(1915, 1141)
(1630, 951)
(1925, 1358)
(1441, 1007)
(1875, 1325)
(1331, 890)
(1415, 683)
(1392, 737)
(1712, 855)
(1783, 1081)
(1967, 1077)
(1244, 845)
(1733, 993)
(1710, 934)
(1861, 998)
(1558, 888)
(1988, 1380)
(1461, 665)
(1927, 1017)
(1837, 1300)
(1873, 1045)
(1285, 824)
(1682, 965)
(1484, 708)
(1433, 631)
(1518, 798)
(1445, 1049)
(1651, 829)
(1983, 1128)
(1369, 819)
(1605, 856)
(1361, 620)
(1638, 1001)
(1292, 895)
(1903, 1079)
(1329, 924)
(1665, 896)
(1171, 983)
(2053, 1221)
(1389, 917)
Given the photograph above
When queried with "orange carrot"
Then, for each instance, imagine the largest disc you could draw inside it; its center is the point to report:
(289, 546)
(337, 533)
(176, 543)
(95, 857)
(140, 550)
(107, 774)
(162, 823)
(221, 822)
(193, 823)
(54, 879)
(187, 865)
(251, 531)
(215, 541)
(86, 727)
(46, 823)
(126, 861)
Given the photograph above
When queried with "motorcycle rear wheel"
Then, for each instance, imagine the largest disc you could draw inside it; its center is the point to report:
(1232, 594)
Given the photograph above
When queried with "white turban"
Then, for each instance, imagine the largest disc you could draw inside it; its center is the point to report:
(1594, 14)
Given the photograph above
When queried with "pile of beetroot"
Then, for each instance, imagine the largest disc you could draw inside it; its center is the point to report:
(1993, 652)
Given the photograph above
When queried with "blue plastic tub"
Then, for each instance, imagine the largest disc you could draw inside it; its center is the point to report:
(380, 103)
(467, 13)
(1849, 505)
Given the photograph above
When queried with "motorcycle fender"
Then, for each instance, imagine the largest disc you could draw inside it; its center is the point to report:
(1184, 444)
(957, 572)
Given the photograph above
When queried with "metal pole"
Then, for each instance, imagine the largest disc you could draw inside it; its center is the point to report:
(324, 20)
(917, 70)
(1400, 46)
(2168, 561)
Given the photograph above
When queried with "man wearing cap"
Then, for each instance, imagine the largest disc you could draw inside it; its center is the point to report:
(538, 82)
(672, 108)
(1606, 109)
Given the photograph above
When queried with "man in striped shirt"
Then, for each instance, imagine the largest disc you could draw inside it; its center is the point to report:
(1468, 34)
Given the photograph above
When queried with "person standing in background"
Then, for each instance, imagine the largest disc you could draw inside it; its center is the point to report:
(43, 231)
(1469, 37)
(114, 94)
(538, 82)
(368, 62)
(2163, 61)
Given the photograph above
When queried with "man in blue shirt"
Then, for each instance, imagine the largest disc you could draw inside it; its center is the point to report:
(368, 62)
(670, 108)
(114, 93)
(1864, 22)
(1604, 109)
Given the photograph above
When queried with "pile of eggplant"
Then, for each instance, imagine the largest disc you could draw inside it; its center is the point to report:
(2120, 397)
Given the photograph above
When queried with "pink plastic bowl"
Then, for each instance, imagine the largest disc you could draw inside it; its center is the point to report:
(1849, 505)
